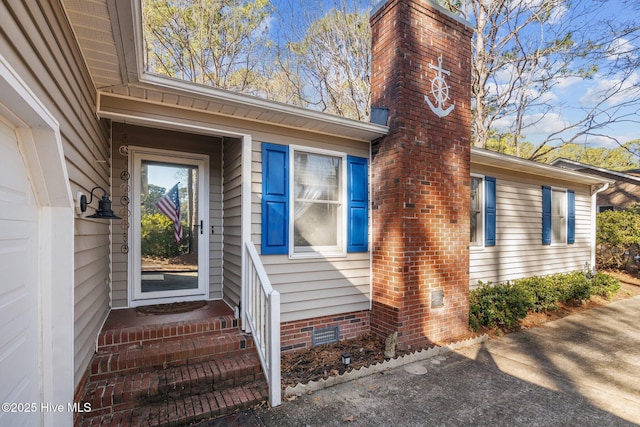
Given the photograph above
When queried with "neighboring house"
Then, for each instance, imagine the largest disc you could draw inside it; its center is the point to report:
(359, 226)
(622, 193)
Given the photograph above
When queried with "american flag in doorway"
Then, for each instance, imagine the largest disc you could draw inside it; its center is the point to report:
(170, 206)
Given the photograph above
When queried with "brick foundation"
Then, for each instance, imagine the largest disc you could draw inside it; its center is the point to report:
(420, 174)
(298, 334)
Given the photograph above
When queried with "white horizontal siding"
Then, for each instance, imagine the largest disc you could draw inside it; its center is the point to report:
(519, 251)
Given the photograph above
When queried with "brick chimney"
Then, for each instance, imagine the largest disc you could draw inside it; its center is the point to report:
(421, 72)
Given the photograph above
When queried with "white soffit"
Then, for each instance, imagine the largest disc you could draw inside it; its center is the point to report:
(91, 25)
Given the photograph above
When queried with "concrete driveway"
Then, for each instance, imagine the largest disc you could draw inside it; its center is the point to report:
(583, 370)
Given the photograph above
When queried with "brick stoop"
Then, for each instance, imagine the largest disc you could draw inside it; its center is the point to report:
(172, 374)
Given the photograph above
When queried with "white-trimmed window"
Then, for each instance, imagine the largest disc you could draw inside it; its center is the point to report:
(558, 216)
(317, 208)
(482, 211)
(477, 211)
(315, 203)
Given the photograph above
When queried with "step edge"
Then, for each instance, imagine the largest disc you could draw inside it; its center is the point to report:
(242, 373)
(258, 393)
(116, 336)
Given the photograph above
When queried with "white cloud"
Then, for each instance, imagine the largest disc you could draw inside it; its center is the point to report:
(544, 124)
(566, 82)
(614, 91)
(534, 124)
(603, 141)
(558, 12)
(621, 48)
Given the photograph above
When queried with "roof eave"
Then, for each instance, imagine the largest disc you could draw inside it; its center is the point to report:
(331, 124)
(620, 174)
(481, 156)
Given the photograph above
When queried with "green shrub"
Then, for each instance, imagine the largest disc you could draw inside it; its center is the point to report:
(604, 285)
(618, 237)
(501, 305)
(157, 236)
(504, 304)
(546, 293)
(574, 287)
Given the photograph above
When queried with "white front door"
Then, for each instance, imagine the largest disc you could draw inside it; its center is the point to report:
(170, 223)
(19, 301)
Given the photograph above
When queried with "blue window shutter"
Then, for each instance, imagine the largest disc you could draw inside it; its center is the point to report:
(571, 216)
(489, 211)
(357, 204)
(275, 199)
(546, 215)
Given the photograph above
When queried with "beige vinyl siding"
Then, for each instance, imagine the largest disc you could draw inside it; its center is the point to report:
(312, 287)
(344, 288)
(36, 39)
(175, 141)
(215, 220)
(519, 251)
(232, 213)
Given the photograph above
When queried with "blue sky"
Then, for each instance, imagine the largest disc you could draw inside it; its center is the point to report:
(569, 97)
(572, 95)
(165, 176)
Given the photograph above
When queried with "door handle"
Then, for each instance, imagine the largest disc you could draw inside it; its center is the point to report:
(201, 227)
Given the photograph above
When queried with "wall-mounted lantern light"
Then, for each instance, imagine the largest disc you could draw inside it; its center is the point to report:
(104, 210)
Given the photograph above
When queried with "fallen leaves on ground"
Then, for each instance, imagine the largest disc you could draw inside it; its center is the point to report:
(323, 361)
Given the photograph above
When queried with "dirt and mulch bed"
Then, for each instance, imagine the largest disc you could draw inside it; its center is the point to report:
(325, 361)
(186, 262)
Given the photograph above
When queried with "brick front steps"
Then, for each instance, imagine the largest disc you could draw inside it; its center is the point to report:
(172, 374)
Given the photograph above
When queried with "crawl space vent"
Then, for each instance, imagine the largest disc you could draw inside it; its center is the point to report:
(437, 298)
(325, 335)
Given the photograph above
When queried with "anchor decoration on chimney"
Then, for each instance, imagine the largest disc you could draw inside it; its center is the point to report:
(439, 90)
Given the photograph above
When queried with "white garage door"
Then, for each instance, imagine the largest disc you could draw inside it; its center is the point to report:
(19, 325)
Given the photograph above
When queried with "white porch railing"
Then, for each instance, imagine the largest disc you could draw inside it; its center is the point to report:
(262, 312)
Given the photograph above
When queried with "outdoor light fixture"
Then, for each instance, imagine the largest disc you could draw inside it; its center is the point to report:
(104, 205)
(346, 358)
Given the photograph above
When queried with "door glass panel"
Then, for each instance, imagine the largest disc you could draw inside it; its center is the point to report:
(169, 227)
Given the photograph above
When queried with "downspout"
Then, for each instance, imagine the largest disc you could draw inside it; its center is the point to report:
(594, 243)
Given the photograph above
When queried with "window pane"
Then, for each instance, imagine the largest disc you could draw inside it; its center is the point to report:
(317, 202)
(475, 194)
(316, 177)
(316, 224)
(558, 216)
(474, 227)
(557, 202)
(476, 211)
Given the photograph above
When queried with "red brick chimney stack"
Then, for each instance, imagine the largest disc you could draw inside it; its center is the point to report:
(421, 72)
